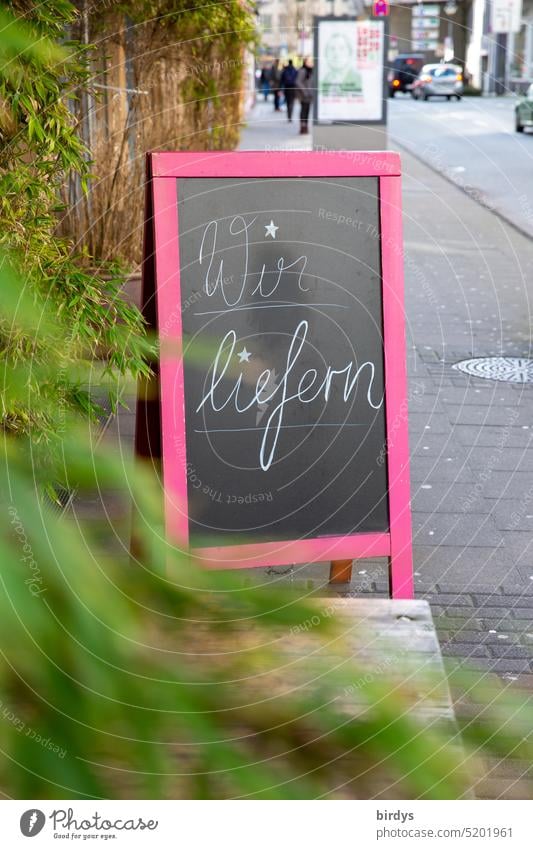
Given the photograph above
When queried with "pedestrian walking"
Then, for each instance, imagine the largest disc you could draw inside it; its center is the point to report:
(275, 83)
(288, 84)
(264, 82)
(304, 86)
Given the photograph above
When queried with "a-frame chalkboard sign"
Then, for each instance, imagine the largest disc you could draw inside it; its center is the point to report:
(275, 283)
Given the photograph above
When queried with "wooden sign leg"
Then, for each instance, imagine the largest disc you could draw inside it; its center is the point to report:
(340, 571)
(401, 582)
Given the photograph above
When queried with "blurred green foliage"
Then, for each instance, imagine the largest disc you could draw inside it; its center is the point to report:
(161, 680)
(40, 147)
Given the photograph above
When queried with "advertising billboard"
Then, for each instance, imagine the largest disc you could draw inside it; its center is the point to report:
(350, 70)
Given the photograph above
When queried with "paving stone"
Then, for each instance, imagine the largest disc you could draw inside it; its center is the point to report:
(478, 395)
(513, 651)
(513, 514)
(429, 470)
(519, 544)
(509, 459)
(422, 586)
(465, 637)
(424, 402)
(458, 651)
(498, 483)
(503, 665)
(493, 437)
(442, 497)
(500, 640)
(455, 612)
(428, 356)
(419, 422)
(494, 415)
(506, 625)
(487, 564)
(524, 590)
(469, 587)
(526, 573)
(460, 599)
(456, 624)
(495, 600)
(468, 613)
(492, 566)
(428, 444)
(460, 381)
(521, 612)
(490, 613)
(419, 382)
(503, 641)
(444, 529)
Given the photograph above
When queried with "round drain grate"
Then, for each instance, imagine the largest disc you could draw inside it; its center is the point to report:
(511, 369)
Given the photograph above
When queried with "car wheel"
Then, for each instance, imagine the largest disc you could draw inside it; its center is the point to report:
(392, 93)
(425, 96)
(458, 97)
(448, 97)
(518, 126)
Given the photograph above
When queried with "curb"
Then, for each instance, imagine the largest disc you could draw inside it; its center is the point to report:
(470, 191)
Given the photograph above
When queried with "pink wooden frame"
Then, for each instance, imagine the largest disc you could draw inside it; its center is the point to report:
(166, 168)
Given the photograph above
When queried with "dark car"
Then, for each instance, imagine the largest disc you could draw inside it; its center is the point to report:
(404, 71)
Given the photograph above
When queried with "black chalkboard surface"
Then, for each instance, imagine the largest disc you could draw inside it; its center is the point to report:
(282, 312)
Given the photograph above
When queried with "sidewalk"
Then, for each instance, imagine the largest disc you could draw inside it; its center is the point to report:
(471, 438)
(269, 130)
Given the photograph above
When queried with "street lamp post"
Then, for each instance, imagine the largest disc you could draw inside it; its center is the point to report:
(301, 24)
(449, 52)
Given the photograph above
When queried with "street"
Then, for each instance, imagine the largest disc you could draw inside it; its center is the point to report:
(474, 144)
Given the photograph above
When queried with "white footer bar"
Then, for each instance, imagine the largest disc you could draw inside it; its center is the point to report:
(267, 825)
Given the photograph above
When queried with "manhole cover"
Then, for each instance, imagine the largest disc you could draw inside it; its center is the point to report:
(511, 369)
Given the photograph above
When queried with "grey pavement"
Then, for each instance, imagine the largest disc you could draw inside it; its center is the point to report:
(468, 285)
(269, 130)
(474, 144)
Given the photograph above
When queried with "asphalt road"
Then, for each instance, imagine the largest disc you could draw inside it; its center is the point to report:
(473, 143)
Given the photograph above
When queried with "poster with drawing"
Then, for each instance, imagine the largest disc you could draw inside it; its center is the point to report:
(350, 70)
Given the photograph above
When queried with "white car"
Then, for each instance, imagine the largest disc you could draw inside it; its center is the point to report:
(438, 80)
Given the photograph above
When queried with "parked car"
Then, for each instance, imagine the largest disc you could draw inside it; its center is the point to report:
(524, 111)
(404, 70)
(438, 80)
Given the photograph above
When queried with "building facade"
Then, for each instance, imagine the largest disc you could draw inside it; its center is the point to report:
(507, 59)
(452, 30)
(286, 26)
(436, 30)
(432, 28)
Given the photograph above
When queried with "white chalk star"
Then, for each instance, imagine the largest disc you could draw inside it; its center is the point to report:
(244, 356)
(271, 229)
